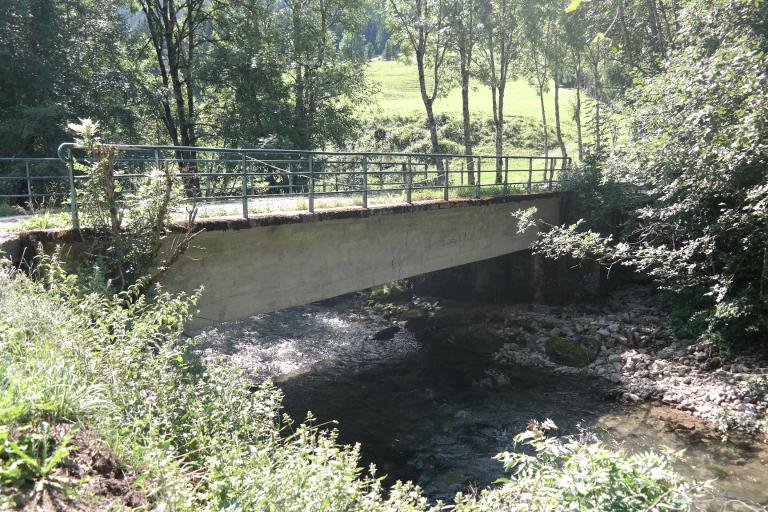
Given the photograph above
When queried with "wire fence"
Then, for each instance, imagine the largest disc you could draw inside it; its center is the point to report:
(263, 180)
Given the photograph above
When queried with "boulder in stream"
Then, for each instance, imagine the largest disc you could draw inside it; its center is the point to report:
(578, 353)
(386, 334)
(478, 339)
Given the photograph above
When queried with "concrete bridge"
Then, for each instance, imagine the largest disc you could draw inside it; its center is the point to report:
(270, 262)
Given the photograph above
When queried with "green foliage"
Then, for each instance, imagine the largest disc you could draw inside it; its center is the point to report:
(199, 431)
(205, 440)
(48, 76)
(693, 173)
(29, 455)
(581, 475)
(409, 133)
(129, 219)
(43, 220)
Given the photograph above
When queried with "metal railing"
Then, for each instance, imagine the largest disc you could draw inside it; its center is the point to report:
(33, 182)
(263, 180)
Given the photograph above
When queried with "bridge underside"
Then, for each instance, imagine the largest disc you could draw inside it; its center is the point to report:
(277, 261)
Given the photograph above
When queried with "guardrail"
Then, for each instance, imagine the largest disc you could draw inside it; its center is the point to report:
(267, 179)
(33, 181)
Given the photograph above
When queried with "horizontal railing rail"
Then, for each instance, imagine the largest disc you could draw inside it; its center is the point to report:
(264, 180)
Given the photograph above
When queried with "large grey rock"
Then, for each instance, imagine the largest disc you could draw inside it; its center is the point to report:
(386, 334)
(480, 340)
(578, 353)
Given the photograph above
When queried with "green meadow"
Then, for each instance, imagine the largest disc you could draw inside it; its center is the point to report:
(398, 86)
(397, 107)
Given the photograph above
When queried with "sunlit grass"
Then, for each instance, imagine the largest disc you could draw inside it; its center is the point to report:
(398, 87)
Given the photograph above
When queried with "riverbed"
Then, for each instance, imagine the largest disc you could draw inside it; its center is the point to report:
(426, 414)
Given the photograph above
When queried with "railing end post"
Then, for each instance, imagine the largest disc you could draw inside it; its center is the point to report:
(365, 180)
(311, 205)
(72, 191)
(244, 173)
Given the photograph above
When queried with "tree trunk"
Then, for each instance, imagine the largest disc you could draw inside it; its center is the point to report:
(465, 116)
(299, 111)
(598, 95)
(300, 105)
(656, 30)
(546, 129)
(428, 106)
(764, 277)
(558, 129)
(500, 133)
(577, 112)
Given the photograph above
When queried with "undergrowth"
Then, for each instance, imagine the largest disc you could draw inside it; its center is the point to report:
(205, 440)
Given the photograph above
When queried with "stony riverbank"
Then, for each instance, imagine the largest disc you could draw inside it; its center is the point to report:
(626, 343)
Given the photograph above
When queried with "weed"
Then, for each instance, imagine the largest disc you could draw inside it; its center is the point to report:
(28, 458)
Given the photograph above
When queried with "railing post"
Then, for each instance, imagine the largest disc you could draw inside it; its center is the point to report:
(409, 183)
(72, 191)
(479, 176)
(506, 175)
(311, 185)
(290, 178)
(447, 181)
(365, 181)
(530, 173)
(244, 172)
(551, 172)
(29, 186)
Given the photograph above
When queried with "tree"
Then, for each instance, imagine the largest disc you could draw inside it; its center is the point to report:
(463, 20)
(558, 61)
(498, 19)
(175, 34)
(326, 80)
(48, 77)
(576, 39)
(247, 95)
(539, 20)
(421, 24)
(696, 160)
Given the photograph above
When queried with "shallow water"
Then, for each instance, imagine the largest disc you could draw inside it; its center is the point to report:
(421, 415)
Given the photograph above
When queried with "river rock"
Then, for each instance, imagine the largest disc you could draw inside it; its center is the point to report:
(416, 319)
(480, 340)
(386, 334)
(578, 353)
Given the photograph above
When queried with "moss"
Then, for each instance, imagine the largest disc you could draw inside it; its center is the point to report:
(391, 292)
(578, 353)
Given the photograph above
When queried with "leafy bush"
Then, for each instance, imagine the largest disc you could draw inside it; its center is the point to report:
(694, 176)
(130, 220)
(118, 362)
(409, 133)
(581, 475)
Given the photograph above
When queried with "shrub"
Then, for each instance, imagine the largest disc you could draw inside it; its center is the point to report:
(118, 362)
(694, 172)
(581, 475)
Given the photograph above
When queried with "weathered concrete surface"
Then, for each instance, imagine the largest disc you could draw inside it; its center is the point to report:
(277, 261)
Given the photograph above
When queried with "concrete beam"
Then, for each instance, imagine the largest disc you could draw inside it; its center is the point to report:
(277, 261)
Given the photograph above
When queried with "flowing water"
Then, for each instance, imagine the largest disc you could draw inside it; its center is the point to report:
(420, 415)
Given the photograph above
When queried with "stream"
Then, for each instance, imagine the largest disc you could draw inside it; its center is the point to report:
(420, 415)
